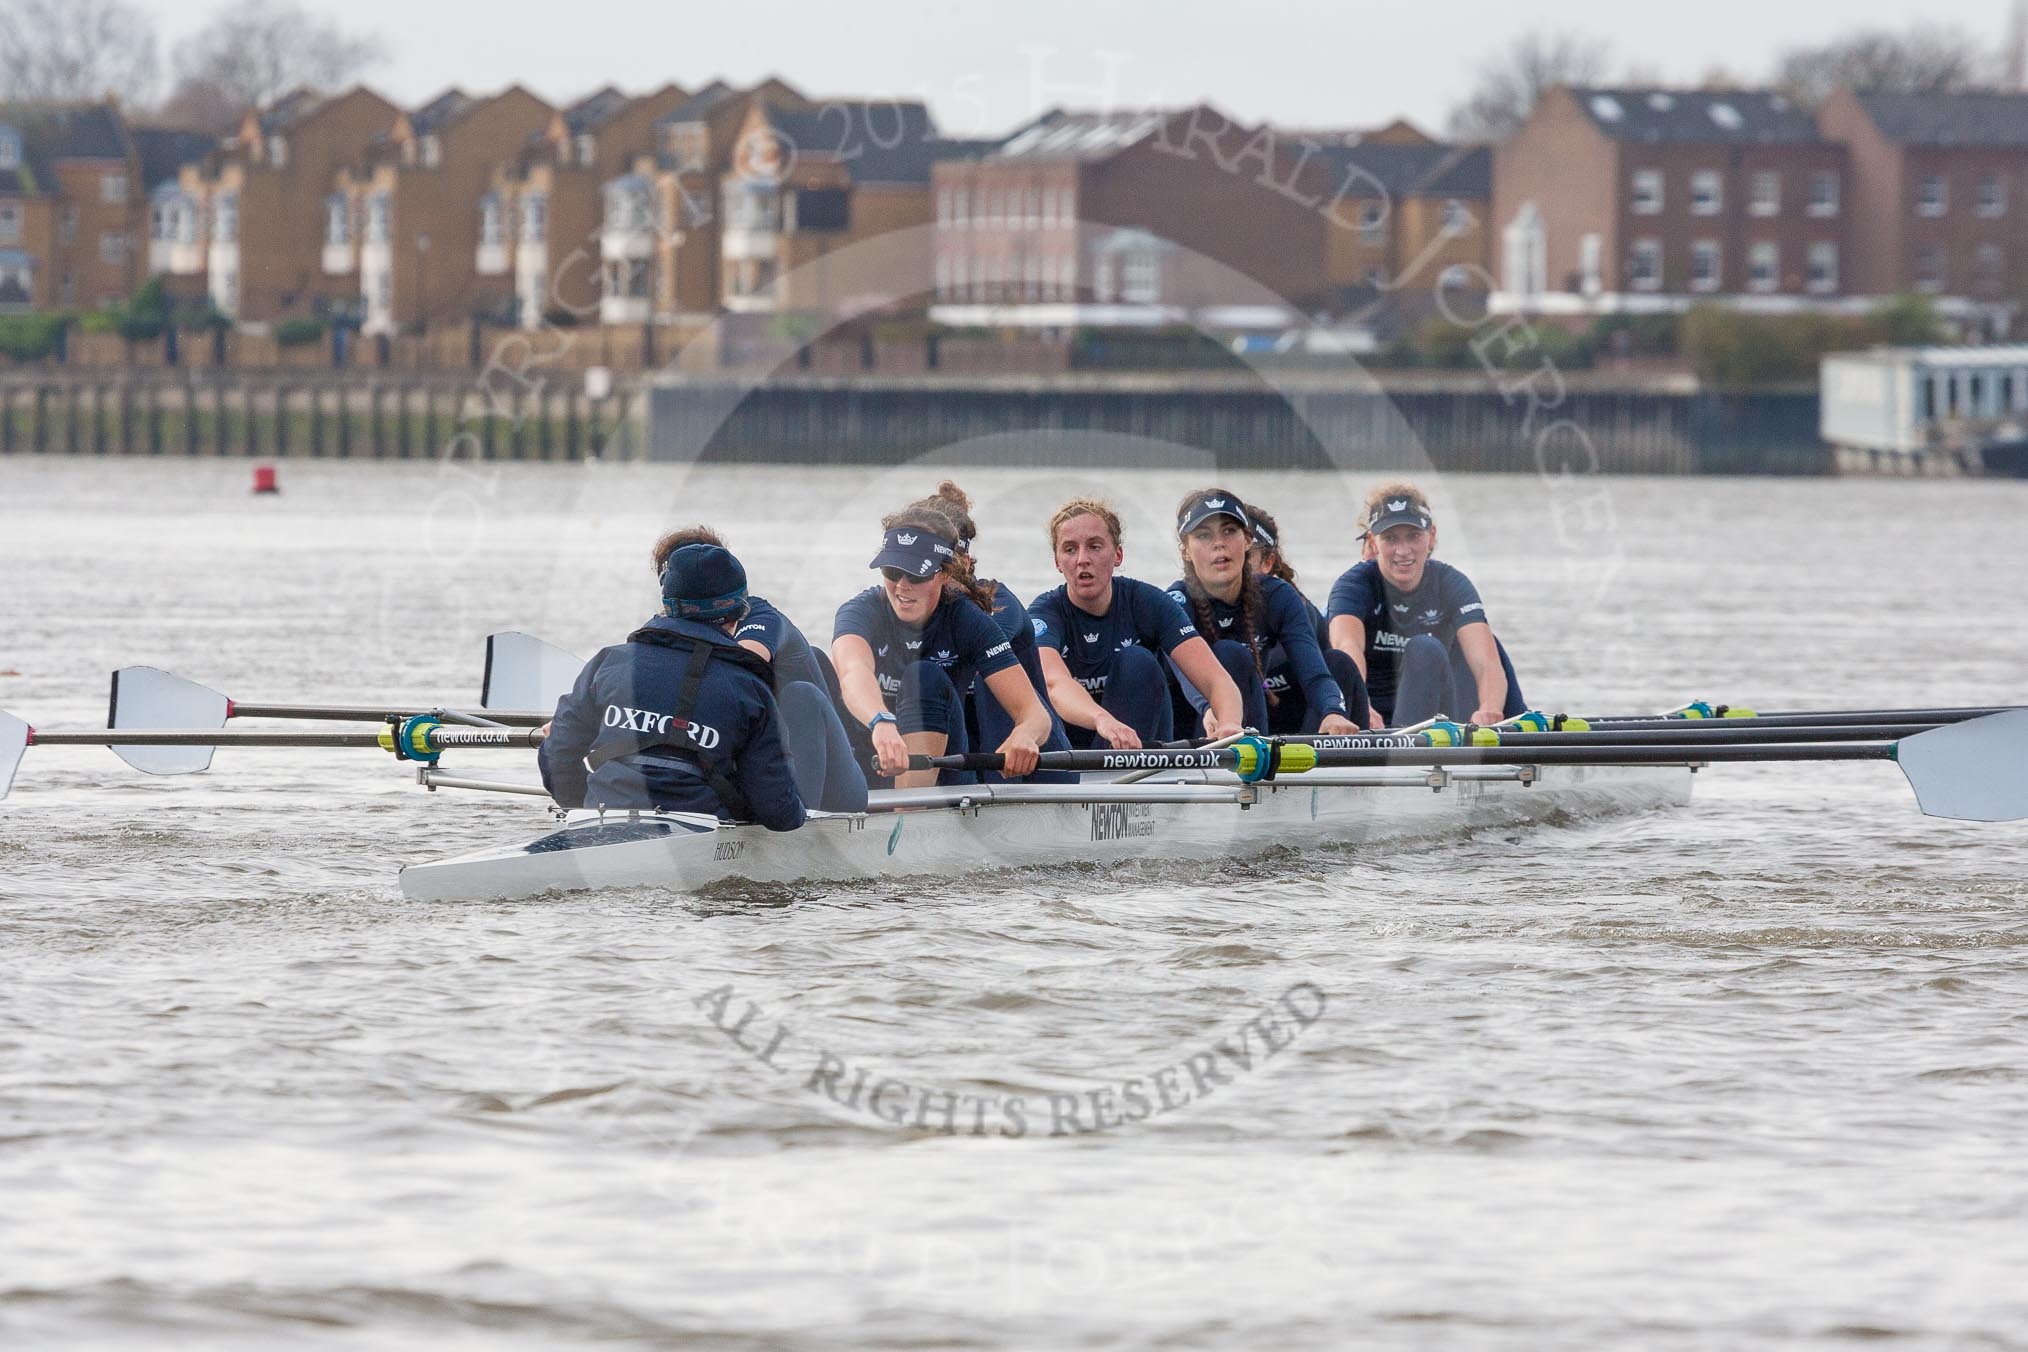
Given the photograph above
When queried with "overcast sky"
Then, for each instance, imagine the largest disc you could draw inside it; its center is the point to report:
(986, 66)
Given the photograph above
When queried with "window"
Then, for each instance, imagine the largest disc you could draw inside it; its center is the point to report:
(1031, 273)
(66, 288)
(10, 148)
(225, 219)
(1932, 195)
(1707, 265)
(113, 188)
(535, 218)
(112, 246)
(379, 219)
(1457, 217)
(1591, 264)
(1764, 267)
(1141, 279)
(943, 277)
(1990, 270)
(492, 220)
(1992, 195)
(1767, 193)
(66, 223)
(10, 222)
(961, 205)
(943, 206)
(1647, 200)
(1034, 208)
(337, 220)
(1373, 222)
(686, 142)
(1930, 265)
(587, 148)
(1707, 192)
(1824, 192)
(1644, 266)
(432, 151)
(278, 152)
(1823, 277)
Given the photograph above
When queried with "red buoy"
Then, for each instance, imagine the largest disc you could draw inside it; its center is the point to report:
(264, 479)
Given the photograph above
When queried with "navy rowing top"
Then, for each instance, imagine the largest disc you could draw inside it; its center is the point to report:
(961, 638)
(1141, 616)
(1445, 602)
(1285, 623)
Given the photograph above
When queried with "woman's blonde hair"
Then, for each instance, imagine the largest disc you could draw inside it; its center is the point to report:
(1399, 488)
(1078, 507)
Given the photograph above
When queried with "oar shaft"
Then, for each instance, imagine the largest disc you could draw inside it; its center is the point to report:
(1359, 758)
(1696, 734)
(1805, 718)
(372, 713)
(441, 738)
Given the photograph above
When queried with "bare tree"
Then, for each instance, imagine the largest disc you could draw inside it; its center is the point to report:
(197, 106)
(1510, 84)
(1926, 59)
(75, 50)
(253, 51)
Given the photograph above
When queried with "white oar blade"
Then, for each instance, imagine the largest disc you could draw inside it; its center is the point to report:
(523, 672)
(148, 698)
(13, 741)
(1975, 771)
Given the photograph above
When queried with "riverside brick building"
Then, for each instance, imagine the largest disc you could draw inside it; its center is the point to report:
(71, 206)
(1131, 217)
(249, 220)
(410, 209)
(1938, 188)
(1642, 199)
(542, 219)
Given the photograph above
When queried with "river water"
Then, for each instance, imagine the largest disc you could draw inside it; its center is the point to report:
(1750, 1073)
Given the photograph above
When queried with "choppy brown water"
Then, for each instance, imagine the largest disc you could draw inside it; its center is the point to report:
(1747, 1074)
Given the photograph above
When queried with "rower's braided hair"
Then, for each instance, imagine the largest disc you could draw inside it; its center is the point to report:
(1282, 569)
(1250, 597)
(934, 514)
(676, 539)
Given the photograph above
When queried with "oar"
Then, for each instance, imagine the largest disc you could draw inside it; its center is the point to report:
(1976, 770)
(524, 672)
(1681, 734)
(1793, 718)
(420, 738)
(146, 698)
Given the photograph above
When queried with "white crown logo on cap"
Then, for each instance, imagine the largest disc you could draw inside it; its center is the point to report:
(1214, 502)
(1398, 505)
(904, 539)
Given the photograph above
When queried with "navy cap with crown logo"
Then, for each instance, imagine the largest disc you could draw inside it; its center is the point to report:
(1213, 502)
(1400, 511)
(914, 549)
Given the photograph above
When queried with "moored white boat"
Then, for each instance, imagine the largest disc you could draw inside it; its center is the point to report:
(949, 832)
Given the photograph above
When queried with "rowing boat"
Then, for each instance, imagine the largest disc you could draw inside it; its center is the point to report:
(1181, 815)
(1237, 799)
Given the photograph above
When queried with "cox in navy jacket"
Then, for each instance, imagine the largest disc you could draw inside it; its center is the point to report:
(622, 717)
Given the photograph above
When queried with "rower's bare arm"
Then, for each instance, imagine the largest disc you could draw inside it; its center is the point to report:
(1348, 636)
(1072, 702)
(1031, 719)
(757, 648)
(1194, 658)
(1482, 655)
(857, 683)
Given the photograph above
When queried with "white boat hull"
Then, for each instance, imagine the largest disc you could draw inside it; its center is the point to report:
(685, 851)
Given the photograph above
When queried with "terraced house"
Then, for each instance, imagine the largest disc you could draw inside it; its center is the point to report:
(825, 208)
(248, 221)
(70, 207)
(664, 250)
(540, 221)
(409, 212)
(1938, 188)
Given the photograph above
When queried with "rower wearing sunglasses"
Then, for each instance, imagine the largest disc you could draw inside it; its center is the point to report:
(905, 650)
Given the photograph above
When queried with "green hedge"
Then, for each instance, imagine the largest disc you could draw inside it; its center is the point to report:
(30, 337)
